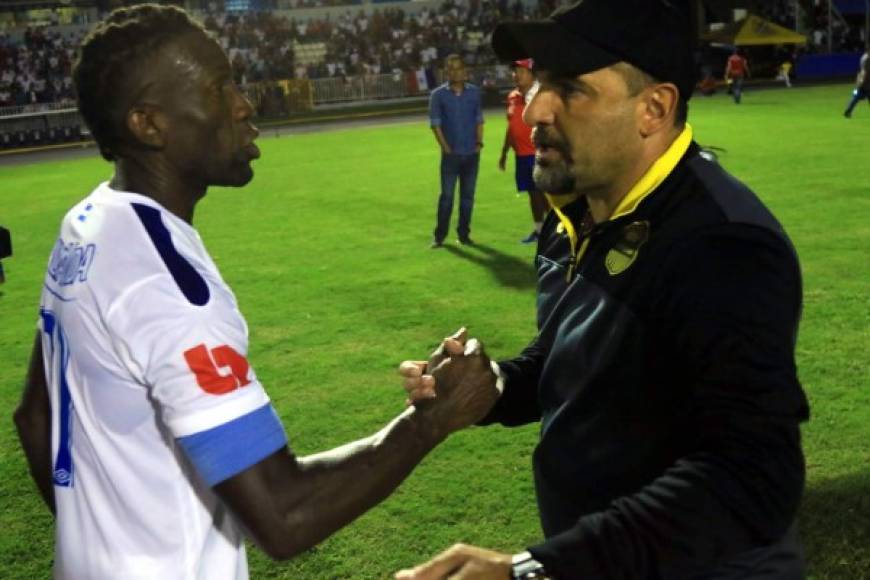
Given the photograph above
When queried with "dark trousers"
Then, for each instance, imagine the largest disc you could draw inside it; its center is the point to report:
(858, 95)
(464, 168)
(737, 89)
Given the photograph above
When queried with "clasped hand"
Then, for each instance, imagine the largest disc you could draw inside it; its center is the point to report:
(456, 385)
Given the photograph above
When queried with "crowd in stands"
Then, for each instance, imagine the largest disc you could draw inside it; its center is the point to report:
(37, 70)
(261, 44)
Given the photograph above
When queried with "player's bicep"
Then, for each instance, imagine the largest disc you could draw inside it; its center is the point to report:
(226, 450)
(255, 497)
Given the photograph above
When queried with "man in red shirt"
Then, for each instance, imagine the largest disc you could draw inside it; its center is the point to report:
(735, 71)
(519, 137)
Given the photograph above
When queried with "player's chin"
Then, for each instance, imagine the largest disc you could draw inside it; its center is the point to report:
(241, 175)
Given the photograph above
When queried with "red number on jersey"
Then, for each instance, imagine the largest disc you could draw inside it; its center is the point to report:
(206, 368)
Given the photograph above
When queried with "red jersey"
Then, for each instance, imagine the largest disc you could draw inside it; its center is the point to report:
(736, 66)
(520, 133)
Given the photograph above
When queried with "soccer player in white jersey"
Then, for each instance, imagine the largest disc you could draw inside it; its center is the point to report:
(146, 430)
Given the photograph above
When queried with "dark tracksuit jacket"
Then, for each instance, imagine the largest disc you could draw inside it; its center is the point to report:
(663, 376)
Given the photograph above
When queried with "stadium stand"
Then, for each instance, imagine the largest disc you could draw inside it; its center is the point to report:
(36, 70)
(295, 54)
(380, 51)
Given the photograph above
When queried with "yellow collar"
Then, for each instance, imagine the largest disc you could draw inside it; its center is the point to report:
(654, 176)
(648, 183)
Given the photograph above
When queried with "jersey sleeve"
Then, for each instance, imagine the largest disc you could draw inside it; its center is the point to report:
(228, 449)
(191, 358)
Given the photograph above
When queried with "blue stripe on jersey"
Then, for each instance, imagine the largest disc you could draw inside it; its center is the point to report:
(191, 283)
(62, 470)
(226, 450)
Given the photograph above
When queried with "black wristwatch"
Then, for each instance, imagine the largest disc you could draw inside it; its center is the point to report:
(525, 567)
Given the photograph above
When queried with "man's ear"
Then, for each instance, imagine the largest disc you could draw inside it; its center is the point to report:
(147, 125)
(659, 106)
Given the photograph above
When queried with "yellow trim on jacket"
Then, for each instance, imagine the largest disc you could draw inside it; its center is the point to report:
(648, 183)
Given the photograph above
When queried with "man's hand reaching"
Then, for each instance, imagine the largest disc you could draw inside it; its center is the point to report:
(456, 386)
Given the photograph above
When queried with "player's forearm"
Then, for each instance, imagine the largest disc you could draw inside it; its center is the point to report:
(324, 492)
(480, 133)
(35, 436)
(348, 480)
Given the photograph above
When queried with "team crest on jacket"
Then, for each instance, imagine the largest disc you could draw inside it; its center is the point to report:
(623, 254)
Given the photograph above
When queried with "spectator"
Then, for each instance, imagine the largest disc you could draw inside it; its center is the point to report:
(457, 123)
(736, 70)
(518, 136)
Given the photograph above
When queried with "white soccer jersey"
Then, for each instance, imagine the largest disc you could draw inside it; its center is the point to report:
(152, 398)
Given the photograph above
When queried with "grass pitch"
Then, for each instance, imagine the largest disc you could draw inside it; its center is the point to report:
(327, 251)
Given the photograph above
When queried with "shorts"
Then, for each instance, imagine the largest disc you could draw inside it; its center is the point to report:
(525, 166)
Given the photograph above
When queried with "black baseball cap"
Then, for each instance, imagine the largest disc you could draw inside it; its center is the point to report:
(656, 36)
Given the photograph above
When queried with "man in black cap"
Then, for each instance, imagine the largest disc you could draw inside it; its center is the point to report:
(663, 371)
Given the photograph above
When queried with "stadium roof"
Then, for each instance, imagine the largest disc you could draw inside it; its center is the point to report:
(753, 31)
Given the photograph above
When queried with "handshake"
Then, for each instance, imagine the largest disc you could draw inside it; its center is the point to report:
(456, 387)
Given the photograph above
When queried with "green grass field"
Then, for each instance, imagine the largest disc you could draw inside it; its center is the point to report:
(327, 251)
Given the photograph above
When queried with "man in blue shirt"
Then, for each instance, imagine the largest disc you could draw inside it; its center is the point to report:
(457, 122)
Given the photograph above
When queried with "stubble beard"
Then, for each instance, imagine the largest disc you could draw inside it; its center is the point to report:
(553, 177)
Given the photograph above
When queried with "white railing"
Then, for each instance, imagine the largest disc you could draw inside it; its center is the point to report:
(394, 85)
(36, 109)
(360, 88)
(44, 124)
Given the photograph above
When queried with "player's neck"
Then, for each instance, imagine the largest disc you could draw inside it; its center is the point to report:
(164, 187)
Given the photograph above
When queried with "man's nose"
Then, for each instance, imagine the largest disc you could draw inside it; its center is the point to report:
(541, 109)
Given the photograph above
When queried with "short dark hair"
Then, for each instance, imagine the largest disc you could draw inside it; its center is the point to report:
(454, 56)
(637, 80)
(111, 52)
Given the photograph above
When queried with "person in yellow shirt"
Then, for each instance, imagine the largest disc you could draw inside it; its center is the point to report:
(784, 73)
